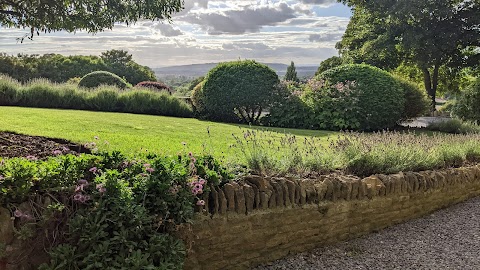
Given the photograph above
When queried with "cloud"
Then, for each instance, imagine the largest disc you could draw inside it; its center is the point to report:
(325, 37)
(167, 30)
(240, 21)
(319, 2)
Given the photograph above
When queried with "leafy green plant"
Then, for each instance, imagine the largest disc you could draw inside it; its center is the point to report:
(97, 78)
(455, 126)
(381, 99)
(467, 106)
(416, 101)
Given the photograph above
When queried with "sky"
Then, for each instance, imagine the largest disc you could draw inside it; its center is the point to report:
(269, 31)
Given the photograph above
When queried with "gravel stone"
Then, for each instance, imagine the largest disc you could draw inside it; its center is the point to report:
(446, 239)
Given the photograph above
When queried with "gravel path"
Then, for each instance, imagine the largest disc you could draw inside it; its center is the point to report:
(446, 239)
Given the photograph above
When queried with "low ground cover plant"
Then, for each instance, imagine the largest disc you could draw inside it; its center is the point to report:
(109, 212)
(455, 126)
(41, 93)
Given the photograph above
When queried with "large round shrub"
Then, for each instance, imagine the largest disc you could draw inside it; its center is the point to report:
(380, 98)
(416, 101)
(238, 91)
(97, 78)
(156, 86)
(198, 99)
(467, 106)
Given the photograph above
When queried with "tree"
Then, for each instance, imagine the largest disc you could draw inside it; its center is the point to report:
(329, 63)
(73, 15)
(428, 34)
(291, 74)
(120, 62)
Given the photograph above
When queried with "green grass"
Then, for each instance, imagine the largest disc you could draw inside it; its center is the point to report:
(133, 134)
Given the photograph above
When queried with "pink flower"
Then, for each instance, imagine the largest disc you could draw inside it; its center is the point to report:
(57, 152)
(200, 202)
(198, 186)
(194, 191)
(143, 174)
(201, 181)
(18, 213)
(79, 188)
(150, 170)
(77, 197)
(83, 182)
(146, 165)
(101, 188)
(2, 177)
(93, 170)
(31, 158)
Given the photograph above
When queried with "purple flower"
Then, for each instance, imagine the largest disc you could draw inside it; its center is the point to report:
(143, 174)
(31, 157)
(77, 197)
(57, 152)
(190, 154)
(198, 186)
(201, 202)
(146, 165)
(2, 177)
(194, 191)
(150, 170)
(93, 170)
(201, 181)
(79, 188)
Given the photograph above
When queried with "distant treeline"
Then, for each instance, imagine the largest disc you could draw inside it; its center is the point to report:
(59, 68)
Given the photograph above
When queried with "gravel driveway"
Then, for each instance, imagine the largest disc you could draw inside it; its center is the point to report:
(446, 239)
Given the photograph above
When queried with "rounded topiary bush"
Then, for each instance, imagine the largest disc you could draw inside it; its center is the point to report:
(156, 86)
(238, 91)
(416, 101)
(197, 99)
(467, 105)
(97, 78)
(380, 98)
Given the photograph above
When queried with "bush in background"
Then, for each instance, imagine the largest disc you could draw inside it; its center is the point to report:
(455, 126)
(239, 91)
(416, 101)
(381, 99)
(158, 86)
(9, 95)
(97, 78)
(289, 110)
(467, 106)
(42, 93)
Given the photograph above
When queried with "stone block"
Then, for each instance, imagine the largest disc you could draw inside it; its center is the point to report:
(240, 205)
(229, 191)
(249, 197)
(6, 226)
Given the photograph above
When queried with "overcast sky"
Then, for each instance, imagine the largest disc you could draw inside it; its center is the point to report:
(275, 31)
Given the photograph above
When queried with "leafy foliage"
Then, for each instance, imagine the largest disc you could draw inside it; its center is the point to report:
(329, 63)
(239, 91)
(71, 16)
(416, 101)
(455, 126)
(120, 62)
(467, 106)
(97, 78)
(112, 212)
(198, 99)
(380, 97)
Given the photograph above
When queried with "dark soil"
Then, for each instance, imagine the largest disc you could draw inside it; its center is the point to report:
(36, 147)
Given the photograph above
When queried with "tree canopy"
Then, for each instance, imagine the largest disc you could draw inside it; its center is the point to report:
(428, 34)
(73, 15)
(291, 74)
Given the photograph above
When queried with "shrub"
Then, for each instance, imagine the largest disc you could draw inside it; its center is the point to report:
(9, 91)
(416, 101)
(104, 98)
(41, 93)
(239, 91)
(148, 102)
(289, 110)
(333, 107)
(380, 97)
(455, 126)
(159, 86)
(97, 78)
(467, 106)
(198, 99)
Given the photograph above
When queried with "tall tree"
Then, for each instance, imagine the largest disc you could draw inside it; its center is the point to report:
(90, 15)
(121, 63)
(291, 74)
(427, 33)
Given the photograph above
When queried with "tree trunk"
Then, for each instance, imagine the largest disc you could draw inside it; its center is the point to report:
(435, 85)
(427, 80)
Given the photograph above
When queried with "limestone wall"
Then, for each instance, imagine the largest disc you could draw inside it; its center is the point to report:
(263, 219)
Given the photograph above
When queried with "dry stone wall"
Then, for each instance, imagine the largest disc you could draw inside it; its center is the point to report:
(262, 219)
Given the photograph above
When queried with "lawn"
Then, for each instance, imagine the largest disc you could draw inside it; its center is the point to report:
(132, 133)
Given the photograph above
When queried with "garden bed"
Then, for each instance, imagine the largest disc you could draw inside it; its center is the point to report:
(36, 147)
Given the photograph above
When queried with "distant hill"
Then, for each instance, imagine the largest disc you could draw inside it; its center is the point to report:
(197, 70)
